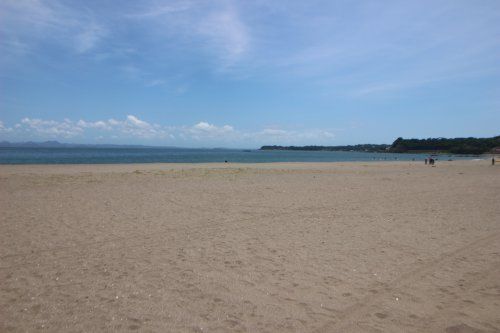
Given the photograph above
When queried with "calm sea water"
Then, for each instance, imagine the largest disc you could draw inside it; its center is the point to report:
(174, 155)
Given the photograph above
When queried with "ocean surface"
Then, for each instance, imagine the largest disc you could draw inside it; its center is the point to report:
(179, 155)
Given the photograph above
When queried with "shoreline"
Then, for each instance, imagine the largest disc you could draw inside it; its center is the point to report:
(99, 157)
(130, 167)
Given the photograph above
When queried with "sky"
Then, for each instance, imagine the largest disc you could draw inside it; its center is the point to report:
(248, 73)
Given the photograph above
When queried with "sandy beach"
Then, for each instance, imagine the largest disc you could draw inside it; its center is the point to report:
(282, 247)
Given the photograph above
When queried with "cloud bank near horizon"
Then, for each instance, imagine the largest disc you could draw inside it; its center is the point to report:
(132, 129)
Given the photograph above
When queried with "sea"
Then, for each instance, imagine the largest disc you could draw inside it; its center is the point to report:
(85, 155)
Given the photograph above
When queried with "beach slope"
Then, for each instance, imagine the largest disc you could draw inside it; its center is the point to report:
(284, 247)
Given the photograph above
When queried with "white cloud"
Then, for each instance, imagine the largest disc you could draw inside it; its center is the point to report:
(288, 137)
(161, 10)
(97, 124)
(31, 23)
(229, 135)
(52, 128)
(226, 32)
(4, 129)
(337, 46)
(216, 28)
(133, 129)
(209, 128)
(204, 130)
(90, 36)
(137, 122)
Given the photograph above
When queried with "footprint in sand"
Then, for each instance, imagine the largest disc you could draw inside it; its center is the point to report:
(381, 315)
(462, 328)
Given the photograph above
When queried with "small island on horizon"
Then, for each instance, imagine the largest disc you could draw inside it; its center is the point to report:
(471, 145)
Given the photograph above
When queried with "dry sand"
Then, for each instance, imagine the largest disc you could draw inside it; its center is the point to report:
(287, 247)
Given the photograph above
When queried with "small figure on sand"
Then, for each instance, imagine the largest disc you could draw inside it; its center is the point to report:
(492, 161)
(425, 161)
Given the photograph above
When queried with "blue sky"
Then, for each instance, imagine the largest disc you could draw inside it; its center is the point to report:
(247, 73)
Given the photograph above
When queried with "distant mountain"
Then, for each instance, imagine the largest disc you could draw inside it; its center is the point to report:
(29, 144)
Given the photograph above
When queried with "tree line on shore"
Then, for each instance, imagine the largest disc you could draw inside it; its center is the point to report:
(453, 146)
(400, 145)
